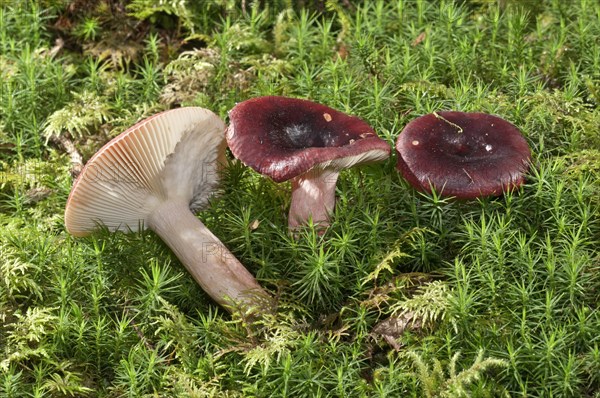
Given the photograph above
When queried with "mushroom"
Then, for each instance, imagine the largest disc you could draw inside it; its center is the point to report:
(465, 155)
(305, 142)
(155, 175)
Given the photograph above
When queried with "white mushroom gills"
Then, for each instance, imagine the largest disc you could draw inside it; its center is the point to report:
(150, 177)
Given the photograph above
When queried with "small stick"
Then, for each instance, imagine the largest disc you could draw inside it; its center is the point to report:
(69, 147)
(468, 175)
(460, 130)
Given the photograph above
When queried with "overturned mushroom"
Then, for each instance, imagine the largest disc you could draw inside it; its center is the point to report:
(155, 175)
(465, 155)
(305, 142)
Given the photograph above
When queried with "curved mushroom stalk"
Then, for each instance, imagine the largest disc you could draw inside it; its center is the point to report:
(313, 197)
(154, 175)
(211, 264)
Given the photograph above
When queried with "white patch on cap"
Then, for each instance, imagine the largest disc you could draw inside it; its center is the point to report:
(415, 142)
(327, 117)
(298, 134)
(488, 147)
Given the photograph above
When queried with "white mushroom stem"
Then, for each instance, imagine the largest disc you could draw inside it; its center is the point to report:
(313, 196)
(211, 264)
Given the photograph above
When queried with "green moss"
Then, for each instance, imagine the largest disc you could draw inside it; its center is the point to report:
(516, 277)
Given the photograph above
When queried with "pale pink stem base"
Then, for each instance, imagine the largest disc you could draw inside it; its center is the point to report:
(211, 264)
(313, 196)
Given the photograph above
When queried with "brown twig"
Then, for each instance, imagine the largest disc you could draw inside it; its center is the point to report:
(69, 147)
(456, 126)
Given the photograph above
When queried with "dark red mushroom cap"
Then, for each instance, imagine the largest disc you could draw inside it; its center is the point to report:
(285, 137)
(465, 155)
